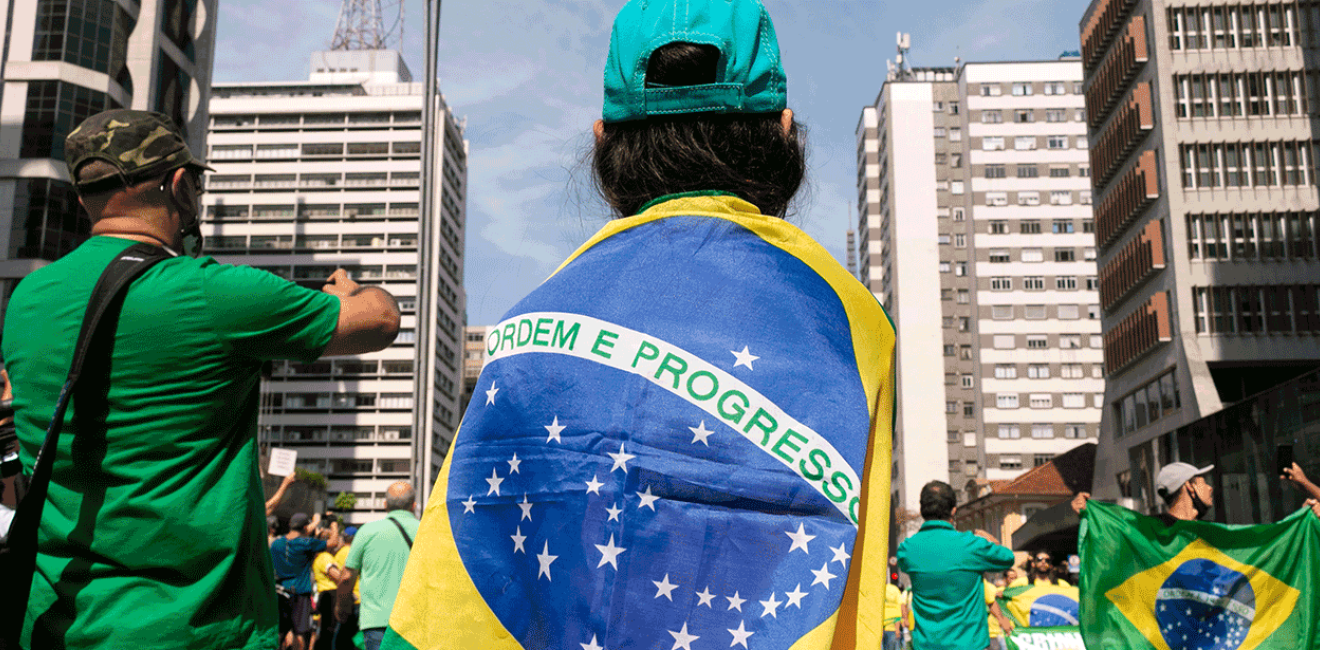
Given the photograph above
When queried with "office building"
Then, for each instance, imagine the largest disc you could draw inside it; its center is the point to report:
(1204, 159)
(474, 359)
(63, 61)
(982, 257)
(323, 174)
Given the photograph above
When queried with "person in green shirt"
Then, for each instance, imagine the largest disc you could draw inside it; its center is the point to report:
(152, 536)
(379, 554)
(945, 567)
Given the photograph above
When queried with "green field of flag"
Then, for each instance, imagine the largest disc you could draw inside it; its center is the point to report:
(1198, 585)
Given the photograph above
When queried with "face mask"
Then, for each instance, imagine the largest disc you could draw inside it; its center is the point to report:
(1201, 507)
(190, 226)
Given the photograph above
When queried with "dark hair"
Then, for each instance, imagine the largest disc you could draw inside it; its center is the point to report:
(748, 155)
(937, 501)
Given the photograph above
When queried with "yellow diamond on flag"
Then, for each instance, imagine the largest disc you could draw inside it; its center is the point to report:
(1202, 599)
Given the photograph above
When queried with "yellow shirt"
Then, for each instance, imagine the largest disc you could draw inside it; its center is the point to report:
(321, 572)
(990, 591)
(893, 610)
(1020, 581)
(340, 557)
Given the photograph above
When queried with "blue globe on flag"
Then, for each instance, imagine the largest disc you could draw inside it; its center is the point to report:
(1053, 610)
(1204, 605)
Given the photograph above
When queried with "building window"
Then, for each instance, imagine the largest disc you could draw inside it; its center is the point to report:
(1033, 255)
(1001, 283)
(940, 132)
(956, 187)
(1033, 283)
(1074, 430)
(1041, 459)
(94, 34)
(996, 198)
(1033, 312)
(959, 240)
(1055, 88)
(967, 381)
(1074, 401)
(1069, 312)
(950, 350)
(1005, 341)
(965, 352)
(1024, 143)
(1056, 142)
(1010, 462)
(992, 143)
(945, 267)
(1071, 371)
(1070, 341)
(1065, 255)
(1092, 283)
(969, 410)
(1062, 227)
(1038, 371)
(960, 269)
(959, 214)
(1024, 116)
(955, 134)
(1001, 312)
(1056, 115)
(999, 227)
(1060, 197)
(992, 117)
(1037, 342)
(1031, 227)
(1021, 89)
(1065, 282)
(954, 108)
(1010, 431)
(991, 90)
(54, 108)
(1028, 171)
(995, 171)
(1005, 371)
(48, 222)
(999, 256)
(1028, 198)
(1006, 400)
(1059, 172)
(951, 407)
(955, 160)
(1040, 400)
(1042, 431)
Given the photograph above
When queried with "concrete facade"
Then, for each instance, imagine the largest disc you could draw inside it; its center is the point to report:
(317, 175)
(1200, 122)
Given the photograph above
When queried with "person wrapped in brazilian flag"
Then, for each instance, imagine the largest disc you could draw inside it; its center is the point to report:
(681, 438)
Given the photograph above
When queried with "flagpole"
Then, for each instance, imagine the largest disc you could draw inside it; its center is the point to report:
(423, 405)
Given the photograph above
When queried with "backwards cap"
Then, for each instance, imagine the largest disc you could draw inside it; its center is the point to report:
(138, 144)
(749, 78)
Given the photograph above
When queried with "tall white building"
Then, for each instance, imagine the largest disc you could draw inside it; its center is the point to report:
(317, 175)
(63, 61)
(975, 233)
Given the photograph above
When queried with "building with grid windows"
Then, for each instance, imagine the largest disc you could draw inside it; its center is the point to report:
(63, 61)
(983, 257)
(317, 175)
(1204, 155)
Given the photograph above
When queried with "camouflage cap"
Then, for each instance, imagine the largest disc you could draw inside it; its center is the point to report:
(138, 144)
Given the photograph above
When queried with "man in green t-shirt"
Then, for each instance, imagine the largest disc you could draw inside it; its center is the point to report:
(153, 533)
(379, 553)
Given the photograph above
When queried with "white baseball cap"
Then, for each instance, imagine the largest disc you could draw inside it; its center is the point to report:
(1172, 477)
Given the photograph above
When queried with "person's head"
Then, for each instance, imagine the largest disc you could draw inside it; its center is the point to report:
(1042, 565)
(346, 537)
(400, 496)
(696, 100)
(938, 501)
(136, 176)
(300, 523)
(1010, 575)
(273, 525)
(1184, 489)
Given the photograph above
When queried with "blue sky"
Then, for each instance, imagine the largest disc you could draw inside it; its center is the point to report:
(527, 76)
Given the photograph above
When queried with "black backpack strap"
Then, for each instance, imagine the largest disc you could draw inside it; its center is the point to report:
(107, 298)
(403, 532)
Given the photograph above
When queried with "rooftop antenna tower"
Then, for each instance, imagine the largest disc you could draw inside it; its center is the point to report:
(899, 69)
(369, 25)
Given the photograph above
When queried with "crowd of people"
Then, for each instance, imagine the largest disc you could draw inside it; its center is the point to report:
(956, 579)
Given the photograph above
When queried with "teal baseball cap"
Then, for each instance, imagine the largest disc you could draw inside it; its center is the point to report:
(749, 78)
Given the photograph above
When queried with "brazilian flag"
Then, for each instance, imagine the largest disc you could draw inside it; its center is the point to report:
(1197, 585)
(1041, 605)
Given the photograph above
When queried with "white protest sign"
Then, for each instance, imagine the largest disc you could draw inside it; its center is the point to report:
(282, 461)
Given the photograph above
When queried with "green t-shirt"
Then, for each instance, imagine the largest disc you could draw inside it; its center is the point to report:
(379, 554)
(154, 534)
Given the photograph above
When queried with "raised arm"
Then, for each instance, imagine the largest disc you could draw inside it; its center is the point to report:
(1299, 478)
(274, 501)
(368, 317)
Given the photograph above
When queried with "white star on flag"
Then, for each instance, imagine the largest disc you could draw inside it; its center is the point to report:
(594, 485)
(800, 539)
(469, 505)
(740, 635)
(490, 394)
(518, 539)
(620, 459)
(664, 588)
(592, 645)
(614, 513)
(770, 606)
(526, 509)
(513, 464)
(704, 596)
(682, 639)
(648, 500)
(545, 559)
(745, 358)
(823, 577)
(795, 597)
(554, 428)
(735, 602)
(609, 554)
(841, 556)
(494, 482)
(700, 433)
